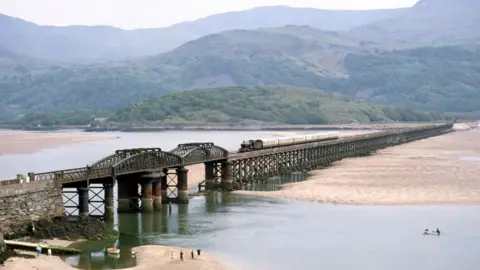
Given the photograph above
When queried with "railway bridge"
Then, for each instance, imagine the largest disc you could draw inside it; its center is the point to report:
(150, 177)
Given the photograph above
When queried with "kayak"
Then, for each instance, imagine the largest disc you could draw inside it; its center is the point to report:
(430, 233)
(113, 250)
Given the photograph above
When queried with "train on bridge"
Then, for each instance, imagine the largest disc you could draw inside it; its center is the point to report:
(259, 144)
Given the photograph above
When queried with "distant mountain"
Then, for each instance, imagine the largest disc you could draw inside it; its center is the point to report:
(101, 43)
(13, 64)
(429, 22)
(445, 79)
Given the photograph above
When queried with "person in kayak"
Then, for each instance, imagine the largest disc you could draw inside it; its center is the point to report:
(438, 231)
(426, 231)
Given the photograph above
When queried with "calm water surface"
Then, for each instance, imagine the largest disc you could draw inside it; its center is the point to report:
(254, 233)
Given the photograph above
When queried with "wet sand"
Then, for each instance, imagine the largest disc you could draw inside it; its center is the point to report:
(17, 142)
(196, 175)
(438, 170)
(148, 257)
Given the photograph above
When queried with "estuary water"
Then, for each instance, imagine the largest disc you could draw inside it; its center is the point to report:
(256, 233)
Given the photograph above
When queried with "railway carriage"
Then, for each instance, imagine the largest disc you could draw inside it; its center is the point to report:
(260, 144)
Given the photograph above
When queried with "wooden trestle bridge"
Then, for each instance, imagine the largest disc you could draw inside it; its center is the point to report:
(155, 177)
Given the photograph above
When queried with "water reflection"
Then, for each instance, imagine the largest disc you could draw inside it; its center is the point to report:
(275, 183)
(136, 229)
(177, 222)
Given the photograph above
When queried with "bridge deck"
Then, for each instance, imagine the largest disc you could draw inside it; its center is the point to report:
(130, 161)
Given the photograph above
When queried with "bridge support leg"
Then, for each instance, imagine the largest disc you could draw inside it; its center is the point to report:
(209, 176)
(127, 196)
(157, 194)
(227, 182)
(164, 187)
(109, 208)
(147, 198)
(182, 185)
(83, 201)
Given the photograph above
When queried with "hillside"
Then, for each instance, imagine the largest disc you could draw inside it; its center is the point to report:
(238, 57)
(433, 78)
(429, 22)
(265, 104)
(101, 43)
(445, 79)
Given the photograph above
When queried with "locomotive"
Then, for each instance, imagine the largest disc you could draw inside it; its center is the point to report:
(254, 145)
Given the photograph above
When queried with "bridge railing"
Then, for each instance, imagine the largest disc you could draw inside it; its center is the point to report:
(399, 132)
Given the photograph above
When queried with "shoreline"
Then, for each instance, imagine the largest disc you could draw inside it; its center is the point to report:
(426, 172)
(148, 257)
(222, 127)
(25, 142)
(18, 142)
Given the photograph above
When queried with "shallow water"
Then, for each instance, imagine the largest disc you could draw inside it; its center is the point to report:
(255, 233)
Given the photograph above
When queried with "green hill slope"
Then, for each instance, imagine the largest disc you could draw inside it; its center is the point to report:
(432, 78)
(265, 104)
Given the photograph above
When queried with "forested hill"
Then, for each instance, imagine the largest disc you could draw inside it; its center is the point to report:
(264, 104)
(438, 79)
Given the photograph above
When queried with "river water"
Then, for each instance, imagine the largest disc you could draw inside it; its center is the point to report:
(254, 233)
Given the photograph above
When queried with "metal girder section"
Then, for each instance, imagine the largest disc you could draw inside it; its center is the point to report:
(119, 155)
(147, 161)
(194, 153)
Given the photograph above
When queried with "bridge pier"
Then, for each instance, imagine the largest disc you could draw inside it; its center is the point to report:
(109, 201)
(127, 196)
(164, 187)
(210, 175)
(147, 196)
(227, 181)
(83, 201)
(182, 185)
(157, 194)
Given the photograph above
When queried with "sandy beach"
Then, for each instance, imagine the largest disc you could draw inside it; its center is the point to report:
(19, 142)
(438, 170)
(148, 257)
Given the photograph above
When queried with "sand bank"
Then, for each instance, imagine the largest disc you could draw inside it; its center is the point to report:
(196, 175)
(438, 170)
(15, 142)
(148, 257)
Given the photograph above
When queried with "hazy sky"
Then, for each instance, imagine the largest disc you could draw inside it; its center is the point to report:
(130, 14)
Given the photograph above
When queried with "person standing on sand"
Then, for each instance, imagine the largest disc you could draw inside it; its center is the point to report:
(192, 254)
(198, 252)
(181, 255)
(39, 250)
